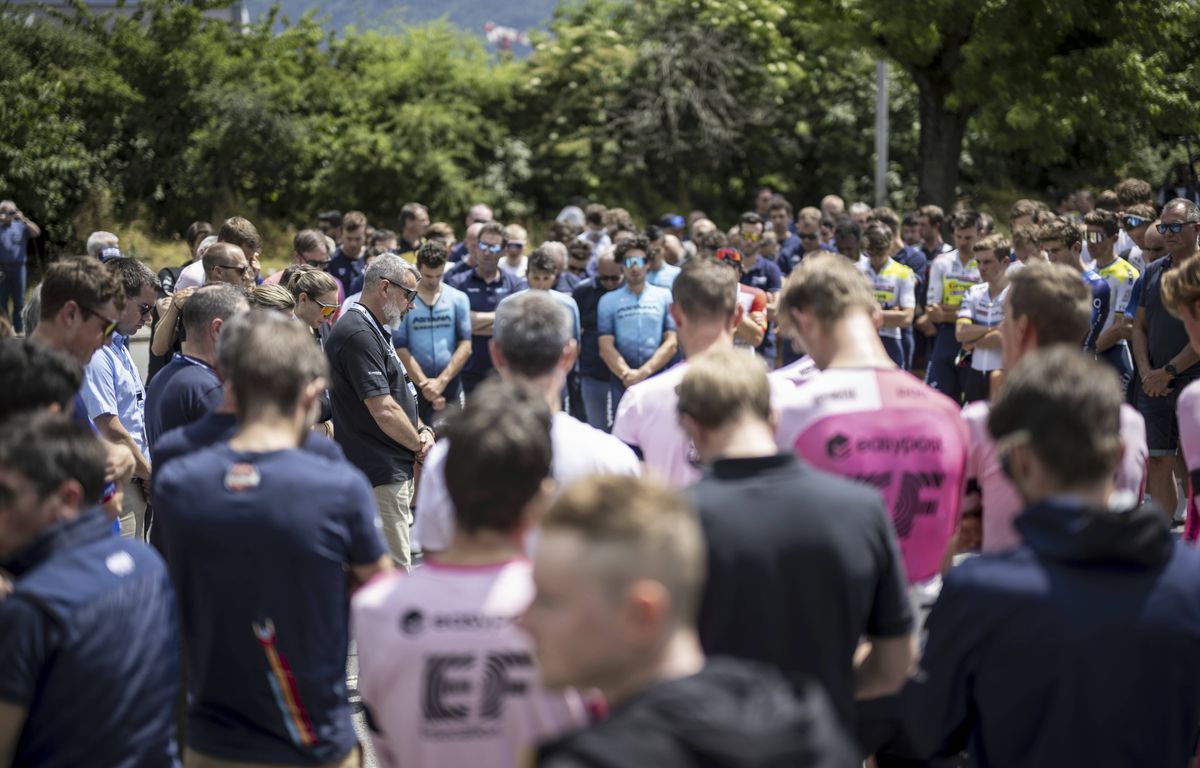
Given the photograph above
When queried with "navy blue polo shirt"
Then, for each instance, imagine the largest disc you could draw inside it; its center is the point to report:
(766, 276)
(259, 546)
(791, 250)
(484, 297)
(183, 391)
(1165, 333)
(587, 295)
(914, 258)
(346, 269)
(88, 648)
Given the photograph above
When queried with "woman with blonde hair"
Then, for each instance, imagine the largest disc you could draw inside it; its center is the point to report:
(316, 295)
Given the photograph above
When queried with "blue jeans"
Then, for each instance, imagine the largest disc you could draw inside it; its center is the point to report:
(895, 350)
(12, 286)
(942, 374)
(595, 401)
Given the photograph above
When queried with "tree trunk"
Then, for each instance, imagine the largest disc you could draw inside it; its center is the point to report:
(942, 132)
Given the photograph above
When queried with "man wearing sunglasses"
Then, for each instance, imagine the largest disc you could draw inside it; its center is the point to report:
(1165, 360)
(486, 285)
(593, 373)
(373, 399)
(1136, 223)
(113, 391)
(1112, 344)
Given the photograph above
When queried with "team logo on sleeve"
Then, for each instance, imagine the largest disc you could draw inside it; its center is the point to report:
(242, 477)
(412, 622)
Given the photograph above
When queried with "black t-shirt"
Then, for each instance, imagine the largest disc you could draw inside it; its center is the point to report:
(363, 364)
(1165, 334)
(587, 295)
(801, 564)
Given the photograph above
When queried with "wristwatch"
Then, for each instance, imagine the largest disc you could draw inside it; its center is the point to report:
(1170, 368)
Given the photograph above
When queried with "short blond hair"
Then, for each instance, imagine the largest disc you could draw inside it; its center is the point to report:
(721, 386)
(828, 286)
(636, 528)
(999, 245)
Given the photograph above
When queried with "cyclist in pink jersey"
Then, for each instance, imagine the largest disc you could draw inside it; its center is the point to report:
(864, 418)
(1046, 305)
(1181, 295)
(446, 674)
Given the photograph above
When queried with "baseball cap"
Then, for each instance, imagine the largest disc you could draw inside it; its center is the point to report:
(672, 221)
(110, 253)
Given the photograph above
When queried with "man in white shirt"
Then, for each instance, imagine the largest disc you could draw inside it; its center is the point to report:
(532, 341)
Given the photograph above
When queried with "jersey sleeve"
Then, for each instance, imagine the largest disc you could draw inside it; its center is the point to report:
(627, 419)
(462, 317)
(434, 526)
(606, 316)
(966, 310)
(936, 287)
(906, 296)
(668, 321)
(1101, 299)
(365, 543)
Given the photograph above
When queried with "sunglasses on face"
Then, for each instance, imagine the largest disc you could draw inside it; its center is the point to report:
(515, 244)
(327, 310)
(635, 261)
(1094, 237)
(110, 325)
(245, 271)
(409, 293)
(1174, 229)
(493, 248)
(1133, 222)
(808, 236)
(317, 263)
(144, 309)
(753, 237)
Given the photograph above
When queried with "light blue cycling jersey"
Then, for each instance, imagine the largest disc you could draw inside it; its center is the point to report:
(562, 298)
(431, 334)
(636, 323)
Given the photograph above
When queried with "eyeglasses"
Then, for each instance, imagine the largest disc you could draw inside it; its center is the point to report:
(245, 271)
(327, 310)
(1174, 228)
(1133, 222)
(144, 309)
(1094, 237)
(808, 235)
(493, 248)
(110, 325)
(409, 293)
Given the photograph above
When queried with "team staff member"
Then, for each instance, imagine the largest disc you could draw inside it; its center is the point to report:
(262, 537)
(593, 373)
(486, 285)
(1095, 619)
(619, 572)
(374, 402)
(759, 507)
(89, 658)
(950, 275)
(434, 339)
(637, 334)
(894, 286)
(979, 317)
(408, 656)
(113, 390)
(1181, 296)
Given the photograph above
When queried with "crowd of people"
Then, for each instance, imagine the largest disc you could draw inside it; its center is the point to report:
(817, 489)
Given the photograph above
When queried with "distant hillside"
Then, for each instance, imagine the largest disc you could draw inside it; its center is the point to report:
(471, 15)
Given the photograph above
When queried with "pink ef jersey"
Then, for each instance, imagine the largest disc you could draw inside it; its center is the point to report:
(446, 675)
(886, 429)
(1001, 501)
(796, 373)
(1187, 408)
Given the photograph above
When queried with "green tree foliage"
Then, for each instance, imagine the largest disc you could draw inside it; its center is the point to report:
(1073, 86)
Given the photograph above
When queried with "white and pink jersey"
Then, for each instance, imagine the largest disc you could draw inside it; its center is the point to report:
(648, 422)
(886, 429)
(1000, 500)
(447, 676)
(1187, 408)
(797, 372)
